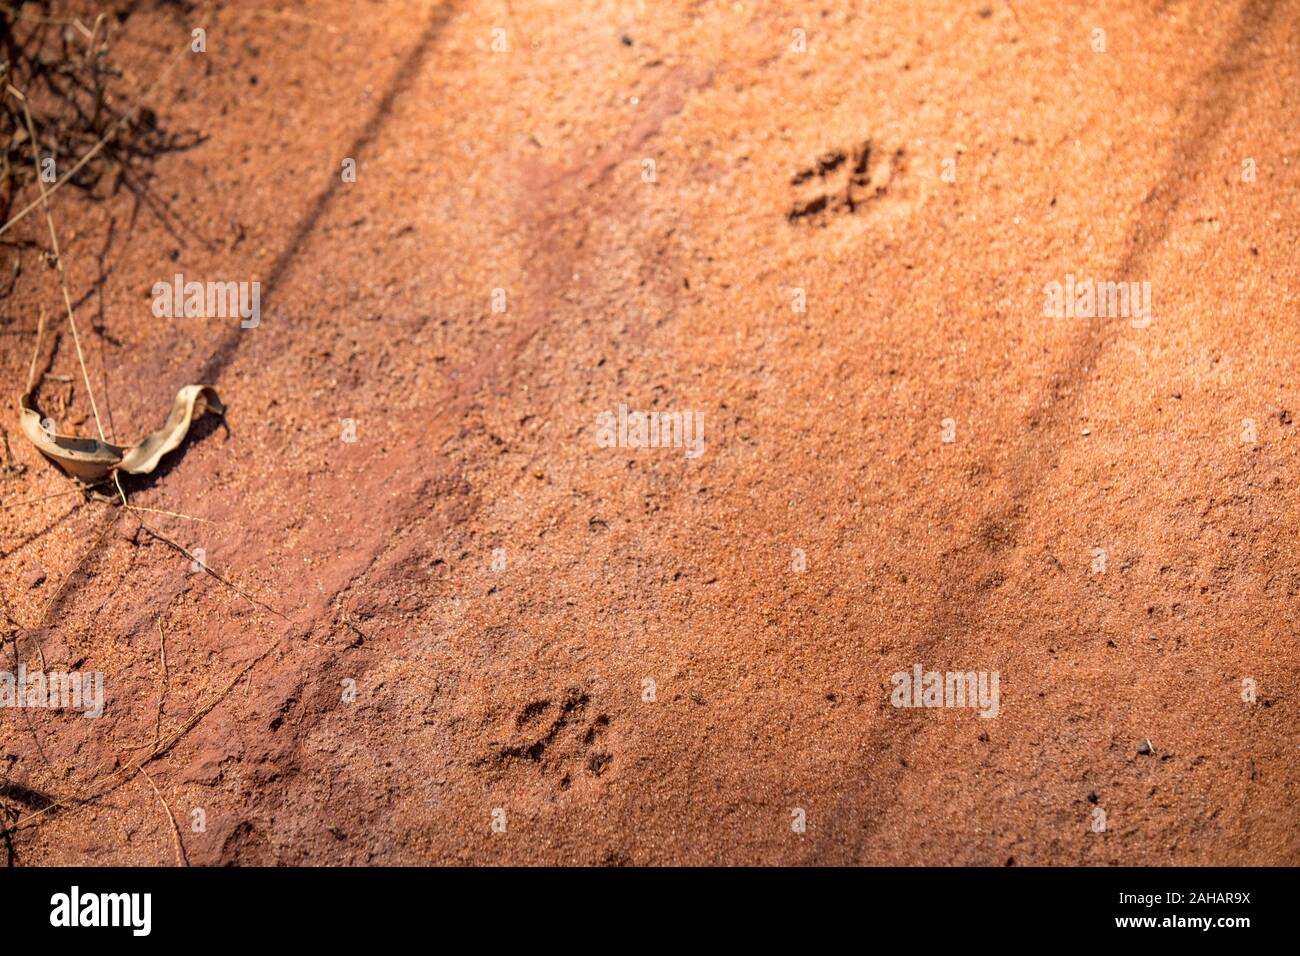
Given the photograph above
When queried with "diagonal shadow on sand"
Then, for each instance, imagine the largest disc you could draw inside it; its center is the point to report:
(1038, 447)
(406, 74)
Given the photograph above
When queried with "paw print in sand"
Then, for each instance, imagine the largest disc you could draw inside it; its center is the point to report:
(842, 182)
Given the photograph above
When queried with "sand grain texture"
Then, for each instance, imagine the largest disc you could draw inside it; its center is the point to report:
(522, 688)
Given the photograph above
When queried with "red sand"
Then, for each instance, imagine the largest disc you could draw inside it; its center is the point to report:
(522, 690)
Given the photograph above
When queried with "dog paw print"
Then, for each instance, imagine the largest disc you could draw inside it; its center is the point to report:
(558, 738)
(842, 182)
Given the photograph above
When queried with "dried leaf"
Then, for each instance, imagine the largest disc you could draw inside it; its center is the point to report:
(90, 459)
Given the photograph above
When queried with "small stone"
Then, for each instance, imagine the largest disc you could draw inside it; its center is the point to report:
(1145, 747)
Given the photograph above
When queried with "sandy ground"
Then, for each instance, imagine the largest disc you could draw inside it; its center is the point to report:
(459, 620)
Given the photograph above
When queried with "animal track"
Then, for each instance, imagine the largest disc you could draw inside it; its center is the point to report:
(559, 738)
(841, 182)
